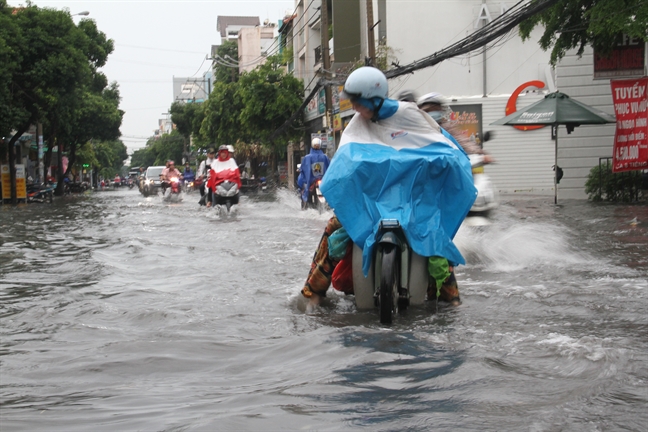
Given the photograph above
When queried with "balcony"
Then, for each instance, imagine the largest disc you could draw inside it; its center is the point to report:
(318, 55)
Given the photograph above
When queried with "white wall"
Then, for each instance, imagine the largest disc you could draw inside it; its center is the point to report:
(523, 158)
(579, 151)
(417, 29)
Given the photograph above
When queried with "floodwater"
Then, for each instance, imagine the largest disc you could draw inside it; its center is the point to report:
(119, 312)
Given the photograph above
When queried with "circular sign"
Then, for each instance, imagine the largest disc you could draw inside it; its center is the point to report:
(511, 104)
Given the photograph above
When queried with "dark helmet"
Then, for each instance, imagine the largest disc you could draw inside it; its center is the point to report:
(223, 147)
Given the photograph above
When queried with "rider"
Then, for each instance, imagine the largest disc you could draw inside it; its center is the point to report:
(203, 174)
(313, 167)
(436, 105)
(188, 174)
(391, 121)
(167, 174)
(223, 169)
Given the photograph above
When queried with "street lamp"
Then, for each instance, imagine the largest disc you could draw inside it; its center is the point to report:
(84, 13)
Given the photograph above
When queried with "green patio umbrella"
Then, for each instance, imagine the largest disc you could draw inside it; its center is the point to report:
(557, 109)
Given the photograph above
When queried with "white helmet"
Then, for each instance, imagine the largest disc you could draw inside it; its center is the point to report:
(316, 143)
(435, 98)
(230, 148)
(366, 82)
(432, 98)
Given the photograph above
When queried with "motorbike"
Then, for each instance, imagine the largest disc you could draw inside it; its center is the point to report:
(398, 276)
(487, 197)
(40, 193)
(225, 196)
(174, 187)
(316, 199)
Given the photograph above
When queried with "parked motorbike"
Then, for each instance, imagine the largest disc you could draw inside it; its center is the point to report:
(40, 193)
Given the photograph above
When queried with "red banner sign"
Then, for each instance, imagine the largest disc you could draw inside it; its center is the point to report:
(631, 137)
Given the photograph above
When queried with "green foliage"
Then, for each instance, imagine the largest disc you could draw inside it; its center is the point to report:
(143, 157)
(11, 47)
(221, 123)
(110, 154)
(604, 185)
(160, 149)
(575, 24)
(268, 96)
(187, 117)
(252, 108)
(228, 51)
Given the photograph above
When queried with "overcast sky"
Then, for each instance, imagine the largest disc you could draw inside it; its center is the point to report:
(155, 41)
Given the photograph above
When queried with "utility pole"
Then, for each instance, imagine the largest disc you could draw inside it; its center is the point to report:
(371, 42)
(326, 57)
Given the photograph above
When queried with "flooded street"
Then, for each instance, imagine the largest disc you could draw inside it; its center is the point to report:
(119, 312)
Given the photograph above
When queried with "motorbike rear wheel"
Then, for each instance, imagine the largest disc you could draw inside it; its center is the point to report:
(389, 280)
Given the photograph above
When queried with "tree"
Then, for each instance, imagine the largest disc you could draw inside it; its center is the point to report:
(55, 71)
(187, 117)
(228, 52)
(576, 23)
(158, 150)
(11, 45)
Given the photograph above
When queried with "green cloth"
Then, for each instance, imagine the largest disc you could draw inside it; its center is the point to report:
(337, 243)
(438, 269)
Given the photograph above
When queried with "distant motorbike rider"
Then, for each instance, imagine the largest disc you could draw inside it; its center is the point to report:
(167, 174)
(436, 105)
(203, 175)
(313, 167)
(188, 174)
(223, 169)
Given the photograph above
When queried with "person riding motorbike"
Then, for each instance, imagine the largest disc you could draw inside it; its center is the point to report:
(312, 169)
(223, 169)
(203, 175)
(436, 105)
(390, 120)
(167, 174)
(188, 174)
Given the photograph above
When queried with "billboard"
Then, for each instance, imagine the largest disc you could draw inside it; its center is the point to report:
(468, 118)
(630, 138)
(627, 59)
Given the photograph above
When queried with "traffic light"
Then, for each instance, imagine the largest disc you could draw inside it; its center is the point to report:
(86, 165)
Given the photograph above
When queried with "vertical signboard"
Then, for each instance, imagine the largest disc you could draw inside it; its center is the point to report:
(468, 118)
(6, 181)
(630, 139)
(21, 182)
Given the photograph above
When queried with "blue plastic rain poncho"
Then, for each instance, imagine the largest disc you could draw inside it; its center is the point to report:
(313, 167)
(401, 167)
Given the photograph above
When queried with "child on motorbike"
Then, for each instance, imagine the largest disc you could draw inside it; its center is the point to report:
(388, 123)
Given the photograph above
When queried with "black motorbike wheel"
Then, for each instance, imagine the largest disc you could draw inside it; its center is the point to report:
(389, 280)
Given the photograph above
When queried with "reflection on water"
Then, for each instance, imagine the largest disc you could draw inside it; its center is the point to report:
(130, 313)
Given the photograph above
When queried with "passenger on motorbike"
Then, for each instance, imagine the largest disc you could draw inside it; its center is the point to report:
(436, 105)
(312, 169)
(224, 169)
(203, 175)
(167, 174)
(390, 120)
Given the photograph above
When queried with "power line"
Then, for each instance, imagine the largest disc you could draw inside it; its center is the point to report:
(491, 31)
